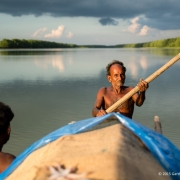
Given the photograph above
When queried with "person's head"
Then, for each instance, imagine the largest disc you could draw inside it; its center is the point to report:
(115, 72)
(6, 115)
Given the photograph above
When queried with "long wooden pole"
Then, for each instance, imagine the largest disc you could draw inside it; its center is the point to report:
(148, 80)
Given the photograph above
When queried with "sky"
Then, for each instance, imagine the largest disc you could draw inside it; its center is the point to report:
(90, 22)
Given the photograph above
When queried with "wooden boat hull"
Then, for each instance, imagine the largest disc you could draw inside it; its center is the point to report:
(106, 151)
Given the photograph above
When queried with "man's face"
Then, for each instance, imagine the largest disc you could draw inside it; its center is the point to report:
(117, 75)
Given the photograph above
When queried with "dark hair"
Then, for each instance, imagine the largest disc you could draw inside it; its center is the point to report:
(6, 115)
(112, 63)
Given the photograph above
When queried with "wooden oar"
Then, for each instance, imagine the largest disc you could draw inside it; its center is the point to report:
(148, 80)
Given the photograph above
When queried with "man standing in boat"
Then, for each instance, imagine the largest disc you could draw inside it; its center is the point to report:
(107, 96)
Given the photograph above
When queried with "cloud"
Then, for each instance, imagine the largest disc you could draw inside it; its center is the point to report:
(144, 31)
(161, 14)
(70, 35)
(39, 32)
(56, 32)
(136, 28)
(108, 21)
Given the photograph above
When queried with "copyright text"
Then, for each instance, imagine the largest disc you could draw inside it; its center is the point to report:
(168, 174)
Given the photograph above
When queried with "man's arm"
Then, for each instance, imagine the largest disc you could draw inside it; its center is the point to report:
(140, 98)
(97, 111)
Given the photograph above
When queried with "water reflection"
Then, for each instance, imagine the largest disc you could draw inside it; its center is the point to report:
(47, 67)
(143, 62)
(55, 62)
(164, 51)
(133, 68)
(30, 52)
(136, 66)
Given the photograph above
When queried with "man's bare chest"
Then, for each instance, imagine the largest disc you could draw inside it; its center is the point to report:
(111, 98)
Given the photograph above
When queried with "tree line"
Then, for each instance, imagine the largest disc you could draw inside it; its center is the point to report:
(18, 43)
(171, 42)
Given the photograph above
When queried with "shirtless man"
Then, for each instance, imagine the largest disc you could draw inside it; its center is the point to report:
(107, 96)
(6, 115)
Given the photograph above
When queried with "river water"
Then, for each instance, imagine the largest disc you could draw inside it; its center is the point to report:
(47, 88)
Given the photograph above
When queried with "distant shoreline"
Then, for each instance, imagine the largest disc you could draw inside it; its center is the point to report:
(38, 44)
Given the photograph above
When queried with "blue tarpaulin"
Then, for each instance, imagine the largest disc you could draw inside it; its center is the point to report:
(162, 149)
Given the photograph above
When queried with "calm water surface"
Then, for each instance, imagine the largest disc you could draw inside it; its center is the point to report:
(46, 89)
